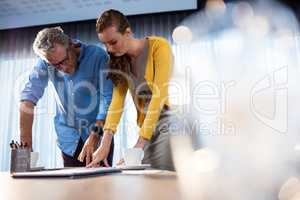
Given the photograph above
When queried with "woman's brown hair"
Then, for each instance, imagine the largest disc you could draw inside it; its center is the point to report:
(119, 67)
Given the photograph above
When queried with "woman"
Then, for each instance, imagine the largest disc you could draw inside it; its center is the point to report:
(144, 67)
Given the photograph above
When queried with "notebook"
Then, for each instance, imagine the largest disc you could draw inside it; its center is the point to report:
(66, 172)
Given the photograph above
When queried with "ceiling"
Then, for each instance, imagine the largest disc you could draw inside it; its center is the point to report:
(21, 13)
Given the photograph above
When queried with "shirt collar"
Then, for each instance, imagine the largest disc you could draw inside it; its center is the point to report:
(82, 50)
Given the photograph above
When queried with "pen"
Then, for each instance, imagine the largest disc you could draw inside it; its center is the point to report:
(13, 145)
(17, 145)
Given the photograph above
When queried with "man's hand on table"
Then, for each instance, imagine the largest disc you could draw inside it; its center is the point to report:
(103, 150)
(89, 148)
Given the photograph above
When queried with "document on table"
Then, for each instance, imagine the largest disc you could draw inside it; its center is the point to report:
(134, 167)
(66, 172)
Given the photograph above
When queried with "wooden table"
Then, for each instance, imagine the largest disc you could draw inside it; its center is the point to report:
(140, 185)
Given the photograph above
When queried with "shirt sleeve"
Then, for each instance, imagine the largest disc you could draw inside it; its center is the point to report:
(36, 84)
(116, 107)
(105, 89)
(163, 62)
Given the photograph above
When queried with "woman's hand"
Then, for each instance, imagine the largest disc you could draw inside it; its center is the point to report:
(102, 152)
(141, 143)
(121, 162)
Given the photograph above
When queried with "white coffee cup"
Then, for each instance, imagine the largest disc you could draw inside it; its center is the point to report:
(133, 156)
(34, 157)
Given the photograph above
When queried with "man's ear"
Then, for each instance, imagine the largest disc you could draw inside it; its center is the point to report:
(128, 31)
(74, 44)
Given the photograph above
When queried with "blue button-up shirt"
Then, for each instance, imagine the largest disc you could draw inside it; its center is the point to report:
(81, 98)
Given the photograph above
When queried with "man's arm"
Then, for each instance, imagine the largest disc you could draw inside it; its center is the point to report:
(100, 123)
(30, 95)
(26, 121)
(106, 89)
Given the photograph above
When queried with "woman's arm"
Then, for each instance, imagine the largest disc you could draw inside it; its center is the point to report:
(163, 61)
(112, 119)
(103, 150)
(116, 107)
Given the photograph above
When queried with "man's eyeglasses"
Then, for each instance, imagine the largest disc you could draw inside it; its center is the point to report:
(63, 61)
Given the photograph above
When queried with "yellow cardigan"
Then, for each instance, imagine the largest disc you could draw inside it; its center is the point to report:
(157, 75)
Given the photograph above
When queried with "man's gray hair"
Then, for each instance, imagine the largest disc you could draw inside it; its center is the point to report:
(45, 39)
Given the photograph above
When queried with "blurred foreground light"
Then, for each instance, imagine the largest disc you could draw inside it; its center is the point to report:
(285, 39)
(297, 147)
(196, 162)
(259, 26)
(205, 160)
(243, 17)
(296, 197)
(242, 14)
(179, 91)
(290, 189)
(182, 35)
(215, 8)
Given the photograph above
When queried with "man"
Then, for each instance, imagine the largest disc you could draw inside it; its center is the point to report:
(82, 94)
